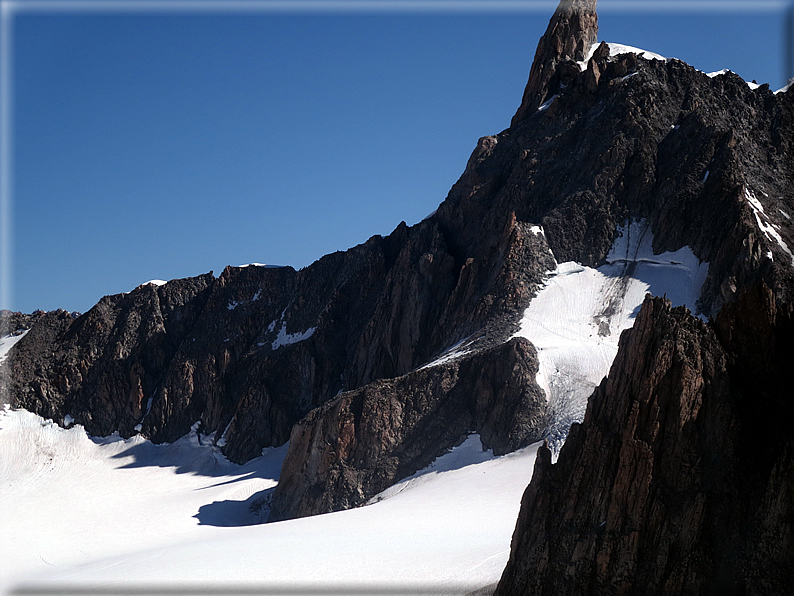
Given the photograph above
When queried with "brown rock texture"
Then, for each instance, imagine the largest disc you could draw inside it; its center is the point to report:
(679, 480)
(656, 140)
(359, 444)
(571, 32)
(102, 365)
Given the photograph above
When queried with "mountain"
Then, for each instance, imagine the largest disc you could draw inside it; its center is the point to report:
(621, 172)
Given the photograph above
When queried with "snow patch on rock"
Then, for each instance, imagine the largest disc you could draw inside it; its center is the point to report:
(769, 229)
(545, 105)
(8, 341)
(753, 85)
(616, 49)
(235, 303)
(459, 350)
(285, 339)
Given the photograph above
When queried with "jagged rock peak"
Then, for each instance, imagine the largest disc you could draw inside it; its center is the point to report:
(572, 30)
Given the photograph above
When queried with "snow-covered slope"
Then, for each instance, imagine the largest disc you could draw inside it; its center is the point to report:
(575, 321)
(68, 498)
(79, 512)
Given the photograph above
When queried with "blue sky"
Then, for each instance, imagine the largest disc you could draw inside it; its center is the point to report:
(167, 144)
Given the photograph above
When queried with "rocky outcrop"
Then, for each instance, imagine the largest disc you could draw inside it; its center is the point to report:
(359, 444)
(15, 323)
(101, 366)
(679, 480)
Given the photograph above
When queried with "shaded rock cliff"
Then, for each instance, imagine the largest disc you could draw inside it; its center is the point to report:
(106, 360)
(680, 479)
(251, 352)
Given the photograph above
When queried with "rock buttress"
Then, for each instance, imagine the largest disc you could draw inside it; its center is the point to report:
(362, 442)
(679, 480)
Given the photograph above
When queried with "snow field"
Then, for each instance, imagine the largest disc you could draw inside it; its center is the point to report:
(67, 499)
(78, 511)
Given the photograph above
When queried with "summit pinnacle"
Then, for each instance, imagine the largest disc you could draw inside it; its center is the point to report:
(572, 30)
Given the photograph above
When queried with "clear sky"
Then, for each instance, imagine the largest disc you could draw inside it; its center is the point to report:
(157, 145)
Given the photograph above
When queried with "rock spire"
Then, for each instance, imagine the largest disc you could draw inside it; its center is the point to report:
(572, 30)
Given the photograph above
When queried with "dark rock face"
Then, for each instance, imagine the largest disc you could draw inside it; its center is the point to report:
(679, 480)
(655, 140)
(14, 323)
(101, 365)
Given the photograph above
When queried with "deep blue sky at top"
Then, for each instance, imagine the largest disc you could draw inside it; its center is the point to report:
(167, 145)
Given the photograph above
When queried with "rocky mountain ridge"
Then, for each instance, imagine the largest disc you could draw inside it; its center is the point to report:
(374, 361)
(253, 351)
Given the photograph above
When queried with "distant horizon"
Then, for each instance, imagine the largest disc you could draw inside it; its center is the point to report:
(163, 145)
